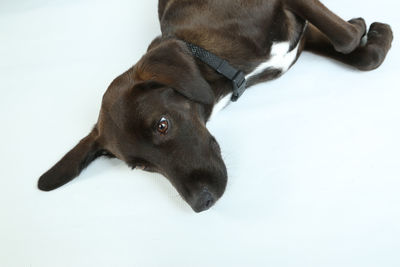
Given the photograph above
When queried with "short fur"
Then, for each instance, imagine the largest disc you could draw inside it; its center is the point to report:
(169, 83)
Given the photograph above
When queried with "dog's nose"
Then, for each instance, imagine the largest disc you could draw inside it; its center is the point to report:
(204, 201)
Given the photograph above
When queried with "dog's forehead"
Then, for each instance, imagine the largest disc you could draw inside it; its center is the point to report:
(140, 107)
(160, 101)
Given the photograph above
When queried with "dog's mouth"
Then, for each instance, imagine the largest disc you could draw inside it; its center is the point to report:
(145, 167)
(200, 184)
(199, 200)
(142, 167)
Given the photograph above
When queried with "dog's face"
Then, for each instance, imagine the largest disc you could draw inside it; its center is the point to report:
(153, 117)
(153, 127)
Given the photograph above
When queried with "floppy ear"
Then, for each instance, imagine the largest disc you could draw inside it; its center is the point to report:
(171, 63)
(71, 165)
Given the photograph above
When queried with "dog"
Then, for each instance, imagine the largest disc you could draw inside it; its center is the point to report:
(154, 115)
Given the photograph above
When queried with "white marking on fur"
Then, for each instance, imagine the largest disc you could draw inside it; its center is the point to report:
(220, 105)
(280, 58)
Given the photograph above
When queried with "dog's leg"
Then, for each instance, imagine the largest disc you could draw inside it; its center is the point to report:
(367, 57)
(344, 36)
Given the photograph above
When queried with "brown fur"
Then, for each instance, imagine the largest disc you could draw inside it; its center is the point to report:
(168, 83)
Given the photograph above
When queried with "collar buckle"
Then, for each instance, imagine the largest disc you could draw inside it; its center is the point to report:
(222, 67)
(239, 85)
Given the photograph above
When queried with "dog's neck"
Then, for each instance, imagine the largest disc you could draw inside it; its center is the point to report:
(221, 86)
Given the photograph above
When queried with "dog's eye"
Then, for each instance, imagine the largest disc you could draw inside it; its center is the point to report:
(162, 126)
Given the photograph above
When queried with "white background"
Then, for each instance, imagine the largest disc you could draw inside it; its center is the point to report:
(313, 158)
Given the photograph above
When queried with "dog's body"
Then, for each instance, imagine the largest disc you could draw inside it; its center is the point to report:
(264, 38)
(154, 114)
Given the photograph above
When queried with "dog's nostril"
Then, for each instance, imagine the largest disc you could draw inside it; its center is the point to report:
(204, 201)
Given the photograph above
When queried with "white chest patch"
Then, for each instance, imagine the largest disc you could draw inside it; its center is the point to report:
(280, 58)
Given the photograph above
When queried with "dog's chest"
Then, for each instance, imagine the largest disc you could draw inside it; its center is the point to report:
(281, 58)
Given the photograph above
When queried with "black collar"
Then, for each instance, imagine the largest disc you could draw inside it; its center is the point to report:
(222, 67)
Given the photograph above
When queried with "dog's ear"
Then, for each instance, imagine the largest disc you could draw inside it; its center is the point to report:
(71, 165)
(171, 63)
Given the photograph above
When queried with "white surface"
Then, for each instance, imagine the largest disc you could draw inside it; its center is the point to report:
(220, 105)
(313, 158)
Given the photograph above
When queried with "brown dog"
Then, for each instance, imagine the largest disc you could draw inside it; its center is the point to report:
(154, 115)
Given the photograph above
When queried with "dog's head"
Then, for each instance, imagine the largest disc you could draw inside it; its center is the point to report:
(154, 117)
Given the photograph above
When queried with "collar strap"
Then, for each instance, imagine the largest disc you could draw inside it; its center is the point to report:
(222, 67)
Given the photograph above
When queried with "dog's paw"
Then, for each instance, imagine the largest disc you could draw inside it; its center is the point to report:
(353, 37)
(361, 26)
(372, 54)
(380, 34)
